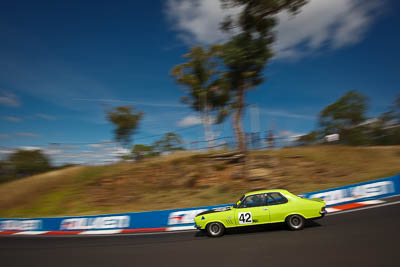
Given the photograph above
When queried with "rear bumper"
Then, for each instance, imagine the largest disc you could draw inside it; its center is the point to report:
(198, 227)
(322, 214)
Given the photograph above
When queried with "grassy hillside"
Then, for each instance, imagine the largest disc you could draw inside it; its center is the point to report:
(188, 179)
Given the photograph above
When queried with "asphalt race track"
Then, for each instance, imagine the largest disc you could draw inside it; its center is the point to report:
(369, 237)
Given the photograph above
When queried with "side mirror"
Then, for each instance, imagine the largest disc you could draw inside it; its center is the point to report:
(236, 205)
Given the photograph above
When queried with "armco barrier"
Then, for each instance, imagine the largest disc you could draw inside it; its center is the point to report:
(180, 219)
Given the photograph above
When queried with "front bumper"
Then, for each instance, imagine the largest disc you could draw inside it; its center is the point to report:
(198, 227)
(323, 212)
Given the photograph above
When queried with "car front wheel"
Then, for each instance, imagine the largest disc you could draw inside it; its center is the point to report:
(295, 222)
(215, 229)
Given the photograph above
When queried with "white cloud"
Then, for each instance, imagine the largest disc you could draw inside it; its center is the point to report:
(13, 119)
(77, 154)
(24, 134)
(138, 103)
(53, 152)
(282, 113)
(289, 135)
(332, 24)
(321, 23)
(119, 152)
(29, 148)
(6, 151)
(95, 145)
(45, 117)
(189, 121)
(9, 99)
(197, 21)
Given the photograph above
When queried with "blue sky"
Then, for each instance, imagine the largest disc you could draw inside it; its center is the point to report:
(63, 63)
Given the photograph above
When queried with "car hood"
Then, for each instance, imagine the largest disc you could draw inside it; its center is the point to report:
(214, 210)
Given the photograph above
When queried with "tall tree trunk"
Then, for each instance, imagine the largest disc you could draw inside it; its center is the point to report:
(208, 132)
(237, 121)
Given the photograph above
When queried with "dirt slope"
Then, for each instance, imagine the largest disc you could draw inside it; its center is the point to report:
(191, 179)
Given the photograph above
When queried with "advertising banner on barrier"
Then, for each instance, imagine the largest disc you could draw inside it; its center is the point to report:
(138, 220)
(182, 219)
(381, 188)
(20, 225)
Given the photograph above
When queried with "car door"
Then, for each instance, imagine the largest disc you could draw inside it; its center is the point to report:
(278, 207)
(252, 210)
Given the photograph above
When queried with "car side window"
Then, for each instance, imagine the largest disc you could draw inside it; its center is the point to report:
(276, 198)
(257, 200)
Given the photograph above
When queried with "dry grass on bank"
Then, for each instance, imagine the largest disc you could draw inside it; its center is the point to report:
(189, 179)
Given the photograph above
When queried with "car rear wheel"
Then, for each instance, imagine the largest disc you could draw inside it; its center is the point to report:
(215, 229)
(295, 222)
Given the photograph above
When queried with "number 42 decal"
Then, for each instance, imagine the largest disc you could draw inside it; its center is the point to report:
(245, 217)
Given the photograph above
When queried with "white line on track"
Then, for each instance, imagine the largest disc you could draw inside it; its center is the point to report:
(31, 233)
(374, 201)
(108, 235)
(101, 232)
(329, 210)
(180, 228)
(364, 208)
(135, 234)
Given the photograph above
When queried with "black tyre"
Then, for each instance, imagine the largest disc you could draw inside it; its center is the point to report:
(295, 222)
(215, 229)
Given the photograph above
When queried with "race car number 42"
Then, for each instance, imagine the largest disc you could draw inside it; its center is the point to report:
(245, 217)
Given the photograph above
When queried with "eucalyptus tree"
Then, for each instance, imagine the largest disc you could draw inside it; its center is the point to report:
(126, 122)
(201, 80)
(169, 143)
(346, 113)
(249, 49)
(28, 162)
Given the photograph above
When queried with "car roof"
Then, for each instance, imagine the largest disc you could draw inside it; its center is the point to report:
(283, 191)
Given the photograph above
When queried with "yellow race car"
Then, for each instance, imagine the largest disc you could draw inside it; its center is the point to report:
(261, 207)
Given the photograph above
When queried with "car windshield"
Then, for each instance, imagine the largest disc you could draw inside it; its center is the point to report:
(240, 200)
